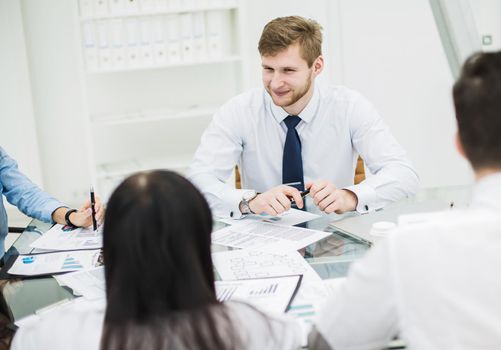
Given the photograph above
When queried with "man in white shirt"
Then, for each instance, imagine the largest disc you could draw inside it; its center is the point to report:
(293, 134)
(437, 284)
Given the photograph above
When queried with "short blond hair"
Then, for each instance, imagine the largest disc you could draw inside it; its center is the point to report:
(283, 32)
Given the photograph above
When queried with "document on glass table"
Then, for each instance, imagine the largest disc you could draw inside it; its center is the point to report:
(244, 264)
(88, 283)
(290, 217)
(61, 237)
(272, 295)
(309, 300)
(266, 237)
(42, 264)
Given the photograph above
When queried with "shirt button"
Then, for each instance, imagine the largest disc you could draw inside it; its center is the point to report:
(231, 214)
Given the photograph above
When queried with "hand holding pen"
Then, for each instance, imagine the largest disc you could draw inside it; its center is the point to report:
(84, 216)
(277, 200)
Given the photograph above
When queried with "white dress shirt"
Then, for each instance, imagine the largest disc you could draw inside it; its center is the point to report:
(80, 327)
(437, 284)
(337, 125)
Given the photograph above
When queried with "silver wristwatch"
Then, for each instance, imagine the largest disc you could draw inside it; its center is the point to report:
(246, 198)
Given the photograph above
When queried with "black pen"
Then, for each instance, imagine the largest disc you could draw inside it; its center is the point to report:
(303, 194)
(92, 204)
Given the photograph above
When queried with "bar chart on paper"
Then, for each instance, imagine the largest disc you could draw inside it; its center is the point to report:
(268, 294)
(270, 289)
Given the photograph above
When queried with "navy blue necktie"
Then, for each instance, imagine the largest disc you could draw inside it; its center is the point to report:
(292, 163)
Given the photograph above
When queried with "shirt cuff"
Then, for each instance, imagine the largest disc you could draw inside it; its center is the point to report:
(232, 208)
(366, 196)
(50, 208)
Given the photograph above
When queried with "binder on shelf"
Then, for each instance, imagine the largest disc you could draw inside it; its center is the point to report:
(101, 8)
(161, 5)
(148, 6)
(117, 48)
(146, 44)
(199, 38)
(86, 8)
(117, 7)
(187, 37)
(89, 47)
(104, 47)
(131, 7)
(215, 28)
(132, 49)
(158, 38)
(173, 38)
(174, 5)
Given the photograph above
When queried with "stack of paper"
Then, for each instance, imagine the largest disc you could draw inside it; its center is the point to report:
(61, 249)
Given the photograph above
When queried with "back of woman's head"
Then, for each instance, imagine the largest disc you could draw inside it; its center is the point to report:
(156, 242)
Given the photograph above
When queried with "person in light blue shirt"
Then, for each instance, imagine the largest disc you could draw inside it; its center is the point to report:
(20, 191)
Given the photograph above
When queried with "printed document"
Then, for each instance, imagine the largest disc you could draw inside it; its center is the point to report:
(272, 295)
(245, 264)
(61, 237)
(290, 217)
(88, 283)
(42, 264)
(309, 299)
(266, 237)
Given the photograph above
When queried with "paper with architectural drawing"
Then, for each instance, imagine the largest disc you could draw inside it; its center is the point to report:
(245, 264)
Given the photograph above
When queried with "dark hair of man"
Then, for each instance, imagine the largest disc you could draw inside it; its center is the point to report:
(477, 100)
(158, 268)
(283, 32)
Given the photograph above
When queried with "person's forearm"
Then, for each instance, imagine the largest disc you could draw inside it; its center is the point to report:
(58, 215)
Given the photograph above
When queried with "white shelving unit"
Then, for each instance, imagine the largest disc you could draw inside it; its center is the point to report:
(155, 71)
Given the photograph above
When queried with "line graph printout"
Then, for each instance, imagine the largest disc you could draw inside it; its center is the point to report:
(61, 237)
(271, 295)
(245, 264)
(266, 237)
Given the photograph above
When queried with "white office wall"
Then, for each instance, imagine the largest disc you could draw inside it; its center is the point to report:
(487, 19)
(17, 123)
(58, 97)
(392, 54)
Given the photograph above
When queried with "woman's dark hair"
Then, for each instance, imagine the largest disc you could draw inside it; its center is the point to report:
(158, 268)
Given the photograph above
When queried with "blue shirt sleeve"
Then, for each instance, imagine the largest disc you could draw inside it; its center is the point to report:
(23, 193)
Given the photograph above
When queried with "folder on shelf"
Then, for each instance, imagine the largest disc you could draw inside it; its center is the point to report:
(173, 38)
(146, 44)
(161, 5)
(132, 40)
(159, 42)
(131, 7)
(199, 38)
(117, 48)
(103, 44)
(89, 47)
(187, 36)
(215, 28)
(101, 8)
(117, 7)
(86, 8)
(174, 5)
(148, 6)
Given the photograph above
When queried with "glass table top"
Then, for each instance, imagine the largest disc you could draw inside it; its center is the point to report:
(329, 257)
